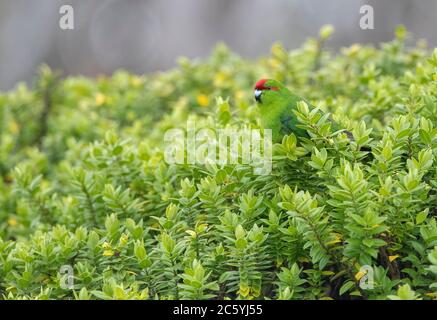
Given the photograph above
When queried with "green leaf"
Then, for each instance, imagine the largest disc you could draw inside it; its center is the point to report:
(421, 216)
(346, 287)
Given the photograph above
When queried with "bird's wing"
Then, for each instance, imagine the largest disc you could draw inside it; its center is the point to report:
(289, 124)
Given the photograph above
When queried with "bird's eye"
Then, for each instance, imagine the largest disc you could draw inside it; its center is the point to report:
(271, 88)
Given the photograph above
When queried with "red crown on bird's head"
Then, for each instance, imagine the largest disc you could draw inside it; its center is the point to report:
(261, 85)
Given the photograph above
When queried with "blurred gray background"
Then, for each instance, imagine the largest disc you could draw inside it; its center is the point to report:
(148, 35)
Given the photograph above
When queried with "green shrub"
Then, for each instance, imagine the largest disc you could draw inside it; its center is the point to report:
(83, 182)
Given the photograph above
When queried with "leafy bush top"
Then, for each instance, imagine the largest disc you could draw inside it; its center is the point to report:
(83, 182)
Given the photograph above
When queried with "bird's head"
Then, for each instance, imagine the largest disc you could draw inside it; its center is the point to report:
(267, 90)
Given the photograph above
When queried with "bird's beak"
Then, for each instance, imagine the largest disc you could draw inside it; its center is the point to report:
(258, 95)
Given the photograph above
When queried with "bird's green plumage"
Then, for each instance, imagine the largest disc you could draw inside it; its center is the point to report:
(277, 105)
(276, 110)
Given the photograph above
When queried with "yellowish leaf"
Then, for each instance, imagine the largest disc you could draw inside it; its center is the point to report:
(12, 222)
(108, 253)
(202, 100)
(100, 99)
(244, 290)
(191, 233)
(123, 240)
(360, 274)
(106, 245)
(239, 95)
(333, 242)
(14, 127)
(136, 82)
(392, 258)
(220, 78)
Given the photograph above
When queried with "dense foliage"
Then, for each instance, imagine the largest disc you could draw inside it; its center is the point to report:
(83, 182)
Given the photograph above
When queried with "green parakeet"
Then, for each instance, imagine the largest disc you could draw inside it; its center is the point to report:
(276, 105)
